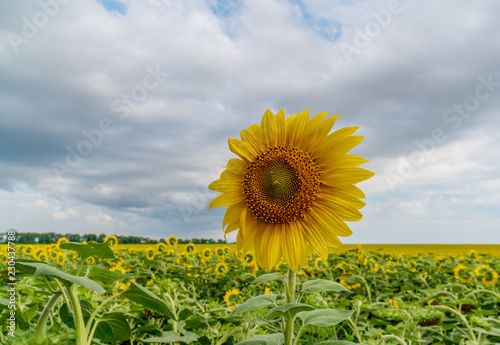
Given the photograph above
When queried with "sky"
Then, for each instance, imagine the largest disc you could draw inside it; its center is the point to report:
(115, 115)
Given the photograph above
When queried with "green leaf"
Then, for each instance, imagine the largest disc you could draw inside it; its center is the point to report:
(269, 277)
(138, 294)
(255, 303)
(113, 327)
(43, 269)
(324, 317)
(97, 250)
(30, 313)
(337, 342)
(322, 285)
(104, 275)
(264, 339)
(288, 310)
(493, 331)
(172, 337)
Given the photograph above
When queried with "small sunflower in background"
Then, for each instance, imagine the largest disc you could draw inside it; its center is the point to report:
(150, 253)
(28, 250)
(172, 240)
(292, 187)
(190, 248)
(349, 283)
(90, 260)
(463, 273)
(487, 275)
(207, 253)
(221, 268)
(112, 241)
(161, 247)
(219, 251)
(61, 240)
(232, 298)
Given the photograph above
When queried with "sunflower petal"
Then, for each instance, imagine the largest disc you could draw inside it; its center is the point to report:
(267, 127)
(236, 166)
(242, 149)
(345, 177)
(227, 199)
(316, 240)
(294, 245)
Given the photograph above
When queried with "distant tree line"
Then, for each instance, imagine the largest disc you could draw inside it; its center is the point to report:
(52, 237)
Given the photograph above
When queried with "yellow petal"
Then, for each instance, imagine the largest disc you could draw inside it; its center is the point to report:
(236, 166)
(344, 161)
(269, 245)
(298, 128)
(328, 221)
(322, 133)
(227, 199)
(345, 177)
(279, 128)
(267, 128)
(294, 245)
(233, 214)
(316, 240)
(252, 141)
(242, 149)
(227, 183)
(341, 210)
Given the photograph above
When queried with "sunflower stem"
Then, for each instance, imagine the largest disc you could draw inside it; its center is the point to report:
(290, 296)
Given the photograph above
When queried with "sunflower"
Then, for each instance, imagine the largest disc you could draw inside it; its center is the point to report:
(172, 240)
(160, 247)
(221, 268)
(207, 253)
(61, 240)
(150, 253)
(232, 297)
(292, 187)
(61, 258)
(349, 283)
(463, 274)
(90, 260)
(112, 241)
(267, 291)
(488, 276)
(219, 251)
(190, 248)
(28, 250)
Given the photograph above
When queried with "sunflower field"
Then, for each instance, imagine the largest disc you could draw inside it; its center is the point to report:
(91, 293)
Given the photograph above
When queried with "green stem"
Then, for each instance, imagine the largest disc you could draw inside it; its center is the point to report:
(290, 296)
(461, 317)
(96, 310)
(41, 326)
(81, 334)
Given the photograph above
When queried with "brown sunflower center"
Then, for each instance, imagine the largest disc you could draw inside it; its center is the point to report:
(281, 184)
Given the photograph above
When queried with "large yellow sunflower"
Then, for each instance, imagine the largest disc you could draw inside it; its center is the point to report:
(292, 187)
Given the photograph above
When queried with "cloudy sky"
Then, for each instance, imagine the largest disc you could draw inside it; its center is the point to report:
(114, 115)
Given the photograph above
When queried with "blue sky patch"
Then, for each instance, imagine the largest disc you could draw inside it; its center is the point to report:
(328, 29)
(112, 5)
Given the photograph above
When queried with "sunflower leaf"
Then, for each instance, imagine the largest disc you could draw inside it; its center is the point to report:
(269, 277)
(264, 339)
(149, 300)
(43, 269)
(255, 303)
(322, 285)
(97, 250)
(324, 317)
(113, 327)
(288, 310)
